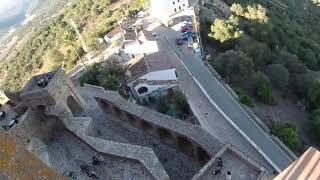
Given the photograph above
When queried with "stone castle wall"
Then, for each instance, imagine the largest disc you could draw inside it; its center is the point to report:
(191, 139)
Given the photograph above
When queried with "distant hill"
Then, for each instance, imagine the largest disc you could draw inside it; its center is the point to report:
(37, 10)
(44, 44)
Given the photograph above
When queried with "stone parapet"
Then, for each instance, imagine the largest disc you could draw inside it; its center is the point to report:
(189, 138)
(144, 155)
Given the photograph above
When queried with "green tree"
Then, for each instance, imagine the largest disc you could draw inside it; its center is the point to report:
(234, 65)
(301, 83)
(251, 12)
(182, 105)
(163, 106)
(93, 44)
(108, 78)
(109, 81)
(278, 75)
(313, 97)
(237, 9)
(262, 88)
(246, 100)
(222, 30)
(288, 134)
(315, 124)
(254, 49)
(310, 59)
(55, 58)
(290, 61)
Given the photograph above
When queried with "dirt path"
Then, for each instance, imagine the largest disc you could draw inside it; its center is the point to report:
(285, 111)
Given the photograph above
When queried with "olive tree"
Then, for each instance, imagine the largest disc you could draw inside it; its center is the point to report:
(234, 66)
(262, 88)
(224, 30)
(278, 74)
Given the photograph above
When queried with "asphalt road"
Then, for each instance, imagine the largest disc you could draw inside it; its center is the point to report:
(229, 107)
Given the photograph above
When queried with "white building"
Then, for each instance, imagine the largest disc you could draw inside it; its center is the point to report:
(163, 9)
(3, 98)
(145, 82)
(131, 44)
(113, 36)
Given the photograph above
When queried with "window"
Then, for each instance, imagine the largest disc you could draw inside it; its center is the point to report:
(173, 2)
(175, 9)
(142, 90)
(178, 0)
(183, 5)
(179, 7)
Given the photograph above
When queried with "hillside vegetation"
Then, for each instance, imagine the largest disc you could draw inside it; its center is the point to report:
(281, 42)
(268, 45)
(50, 46)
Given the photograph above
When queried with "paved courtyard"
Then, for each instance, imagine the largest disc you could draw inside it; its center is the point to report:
(239, 170)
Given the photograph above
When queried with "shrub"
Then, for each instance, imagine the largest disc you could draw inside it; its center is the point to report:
(288, 134)
(182, 105)
(109, 79)
(176, 106)
(279, 75)
(244, 99)
(315, 124)
(234, 65)
(313, 96)
(262, 88)
(163, 106)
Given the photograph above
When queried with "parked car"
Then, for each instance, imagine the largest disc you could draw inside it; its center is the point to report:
(12, 122)
(179, 41)
(2, 115)
(189, 25)
(155, 35)
(130, 28)
(189, 29)
(190, 42)
(190, 32)
(196, 47)
(188, 19)
(184, 23)
(184, 29)
(185, 37)
(196, 51)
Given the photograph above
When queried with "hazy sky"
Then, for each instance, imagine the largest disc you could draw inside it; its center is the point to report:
(11, 8)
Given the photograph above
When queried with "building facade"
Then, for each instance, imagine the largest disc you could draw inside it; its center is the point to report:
(154, 84)
(163, 9)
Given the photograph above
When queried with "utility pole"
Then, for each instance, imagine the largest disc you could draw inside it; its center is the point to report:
(79, 56)
(85, 48)
(74, 25)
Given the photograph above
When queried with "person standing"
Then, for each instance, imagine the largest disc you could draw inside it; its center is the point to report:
(228, 175)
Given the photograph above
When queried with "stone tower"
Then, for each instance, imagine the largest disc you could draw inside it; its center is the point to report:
(55, 94)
